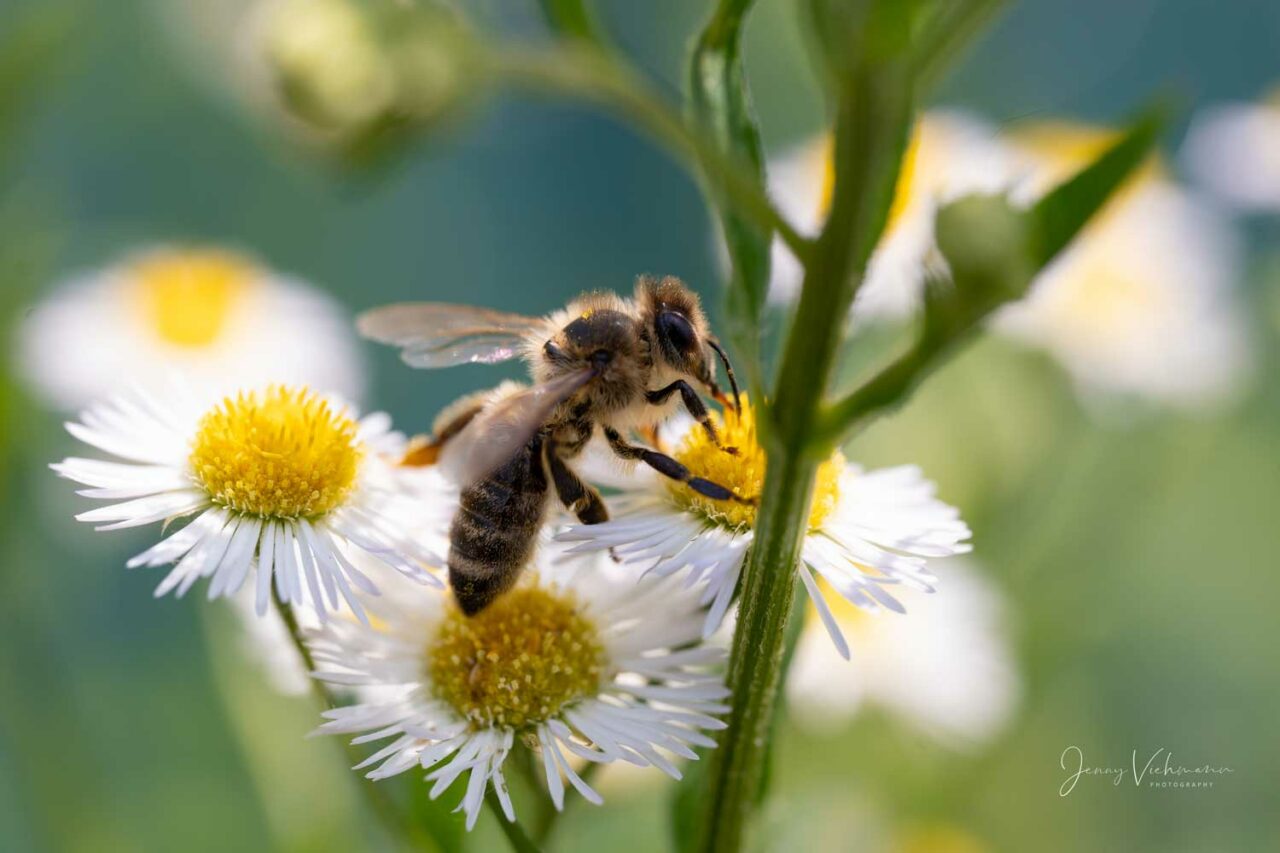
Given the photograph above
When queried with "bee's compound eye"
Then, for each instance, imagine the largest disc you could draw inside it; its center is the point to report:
(676, 331)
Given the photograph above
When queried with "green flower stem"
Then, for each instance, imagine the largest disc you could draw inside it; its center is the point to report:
(873, 115)
(520, 842)
(885, 390)
(393, 817)
(586, 73)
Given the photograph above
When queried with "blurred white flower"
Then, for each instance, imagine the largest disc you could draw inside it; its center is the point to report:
(951, 154)
(578, 662)
(869, 532)
(1144, 302)
(215, 317)
(1233, 150)
(948, 670)
(278, 482)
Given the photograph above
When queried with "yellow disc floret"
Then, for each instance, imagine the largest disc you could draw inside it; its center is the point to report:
(281, 453)
(743, 472)
(517, 662)
(188, 295)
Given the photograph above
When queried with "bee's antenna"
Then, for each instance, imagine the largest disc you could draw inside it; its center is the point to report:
(728, 369)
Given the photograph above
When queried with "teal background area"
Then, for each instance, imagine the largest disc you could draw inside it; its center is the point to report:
(1140, 560)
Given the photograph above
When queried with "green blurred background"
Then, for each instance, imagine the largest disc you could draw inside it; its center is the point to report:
(1139, 560)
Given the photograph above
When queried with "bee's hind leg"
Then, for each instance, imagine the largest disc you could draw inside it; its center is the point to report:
(578, 497)
(673, 468)
(425, 450)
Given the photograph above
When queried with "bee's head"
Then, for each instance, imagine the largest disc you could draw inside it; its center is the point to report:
(681, 337)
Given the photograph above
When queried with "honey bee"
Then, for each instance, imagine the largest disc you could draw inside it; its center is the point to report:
(604, 361)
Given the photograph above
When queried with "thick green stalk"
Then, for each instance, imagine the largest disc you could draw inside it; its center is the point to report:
(872, 120)
(755, 664)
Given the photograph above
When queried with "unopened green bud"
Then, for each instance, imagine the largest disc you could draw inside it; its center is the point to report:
(985, 242)
(348, 68)
(329, 63)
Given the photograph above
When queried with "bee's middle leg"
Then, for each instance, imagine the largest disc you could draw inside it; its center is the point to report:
(668, 466)
(578, 497)
(693, 405)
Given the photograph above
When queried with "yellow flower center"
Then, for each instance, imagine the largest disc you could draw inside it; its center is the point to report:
(902, 190)
(282, 453)
(743, 472)
(517, 662)
(187, 296)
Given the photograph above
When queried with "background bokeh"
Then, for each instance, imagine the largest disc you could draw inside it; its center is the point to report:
(1139, 558)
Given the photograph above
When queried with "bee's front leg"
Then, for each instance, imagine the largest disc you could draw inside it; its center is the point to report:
(693, 405)
(668, 466)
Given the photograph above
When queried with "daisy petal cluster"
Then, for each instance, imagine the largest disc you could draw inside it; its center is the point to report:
(279, 483)
(869, 532)
(576, 662)
(208, 313)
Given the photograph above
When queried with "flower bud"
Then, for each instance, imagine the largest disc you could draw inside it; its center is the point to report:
(985, 242)
(349, 69)
(328, 61)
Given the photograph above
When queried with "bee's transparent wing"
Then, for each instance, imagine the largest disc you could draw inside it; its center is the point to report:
(507, 424)
(439, 334)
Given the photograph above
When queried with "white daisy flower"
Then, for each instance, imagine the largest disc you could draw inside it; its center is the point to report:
(869, 531)
(1144, 302)
(1233, 150)
(951, 154)
(425, 517)
(213, 315)
(279, 481)
(575, 662)
(951, 673)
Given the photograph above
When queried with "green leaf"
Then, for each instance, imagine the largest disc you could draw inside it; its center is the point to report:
(1058, 217)
(947, 31)
(571, 19)
(720, 102)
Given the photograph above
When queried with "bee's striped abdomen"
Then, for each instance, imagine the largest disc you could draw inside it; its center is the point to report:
(495, 529)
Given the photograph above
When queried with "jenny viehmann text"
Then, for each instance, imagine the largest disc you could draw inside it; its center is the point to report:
(1158, 771)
